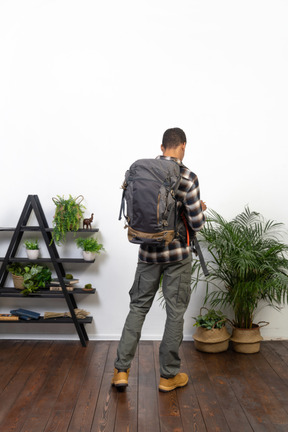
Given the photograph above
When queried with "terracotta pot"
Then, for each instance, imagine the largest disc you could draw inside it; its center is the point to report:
(246, 341)
(211, 341)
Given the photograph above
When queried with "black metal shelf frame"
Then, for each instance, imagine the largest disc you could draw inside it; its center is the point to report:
(33, 204)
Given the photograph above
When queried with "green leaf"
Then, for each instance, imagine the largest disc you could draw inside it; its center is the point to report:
(247, 263)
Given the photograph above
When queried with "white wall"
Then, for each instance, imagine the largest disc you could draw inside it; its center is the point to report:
(88, 87)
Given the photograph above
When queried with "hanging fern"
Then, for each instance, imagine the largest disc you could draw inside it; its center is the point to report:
(68, 215)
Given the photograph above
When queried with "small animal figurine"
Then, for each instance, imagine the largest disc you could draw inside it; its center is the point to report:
(87, 222)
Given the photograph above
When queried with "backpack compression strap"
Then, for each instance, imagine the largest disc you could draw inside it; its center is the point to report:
(196, 249)
(200, 255)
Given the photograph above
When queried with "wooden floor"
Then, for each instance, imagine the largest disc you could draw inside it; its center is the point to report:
(60, 386)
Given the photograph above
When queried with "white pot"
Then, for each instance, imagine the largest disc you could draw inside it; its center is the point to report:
(32, 254)
(89, 256)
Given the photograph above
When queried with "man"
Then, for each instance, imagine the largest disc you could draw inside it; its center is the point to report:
(174, 263)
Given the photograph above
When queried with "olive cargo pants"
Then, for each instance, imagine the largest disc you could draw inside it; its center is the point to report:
(176, 287)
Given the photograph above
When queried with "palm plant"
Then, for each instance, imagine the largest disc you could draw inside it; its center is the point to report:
(247, 265)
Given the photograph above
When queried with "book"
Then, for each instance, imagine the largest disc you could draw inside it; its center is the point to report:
(58, 288)
(66, 281)
(8, 317)
(25, 314)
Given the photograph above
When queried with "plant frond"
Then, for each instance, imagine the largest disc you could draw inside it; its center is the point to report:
(247, 263)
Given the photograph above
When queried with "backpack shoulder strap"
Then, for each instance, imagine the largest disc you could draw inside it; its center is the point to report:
(122, 206)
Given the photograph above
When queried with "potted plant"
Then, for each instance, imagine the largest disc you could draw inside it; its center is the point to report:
(247, 266)
(90, 247)
(32, 249)
(211, 334)
(68, 215)
(17, 271)
(33, 276)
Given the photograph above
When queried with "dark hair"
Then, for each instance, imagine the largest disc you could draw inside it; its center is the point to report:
(173, 137)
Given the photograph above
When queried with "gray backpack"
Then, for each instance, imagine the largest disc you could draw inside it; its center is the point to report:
(149, 191)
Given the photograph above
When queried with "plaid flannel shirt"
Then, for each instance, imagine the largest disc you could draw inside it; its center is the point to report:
(189, 195)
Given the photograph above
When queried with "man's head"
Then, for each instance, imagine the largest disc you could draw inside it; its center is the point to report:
(174, 143)
(173, 137)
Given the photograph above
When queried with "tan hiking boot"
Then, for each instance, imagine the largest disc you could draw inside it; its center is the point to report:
(120, 379)
(168, 384)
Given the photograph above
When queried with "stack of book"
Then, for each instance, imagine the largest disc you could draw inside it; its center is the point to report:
(55, 284)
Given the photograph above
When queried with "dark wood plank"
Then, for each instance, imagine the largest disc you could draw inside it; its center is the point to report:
(6, 350)
(89, 393)
(20, 393)
(74, 381)
(190, 410)
(58, 363)
(285, 344)
(59, 421)
(278, 356)
(127, 408)
(13, 355)
(60, 386)
(62, 411)
(148, 417)
(169, 411)
(216, 365)
(277, 382)
(211, 410)
(105, 413)
(261, 408)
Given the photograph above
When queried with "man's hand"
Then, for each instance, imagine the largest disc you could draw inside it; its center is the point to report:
(203, 205)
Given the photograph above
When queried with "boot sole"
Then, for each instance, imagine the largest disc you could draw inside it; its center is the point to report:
(120, 387)
(168, 389)
(120, 384)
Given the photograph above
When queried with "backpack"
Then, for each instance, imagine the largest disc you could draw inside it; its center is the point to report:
(149, 191)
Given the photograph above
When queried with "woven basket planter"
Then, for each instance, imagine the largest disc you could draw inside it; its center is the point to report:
(18, 281)
(246, 341)
(211, 341)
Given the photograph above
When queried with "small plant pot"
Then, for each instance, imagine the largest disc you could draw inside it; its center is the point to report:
(89, 256)
(211, 341)
(32, 254)
(18, 282)
(246, 341)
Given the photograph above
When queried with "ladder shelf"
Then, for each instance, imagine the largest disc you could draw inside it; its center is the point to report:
(33, 204)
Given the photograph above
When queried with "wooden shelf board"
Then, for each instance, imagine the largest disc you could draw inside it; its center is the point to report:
(41, 320)
(47, 260)
(37, 228)
(13, 292)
